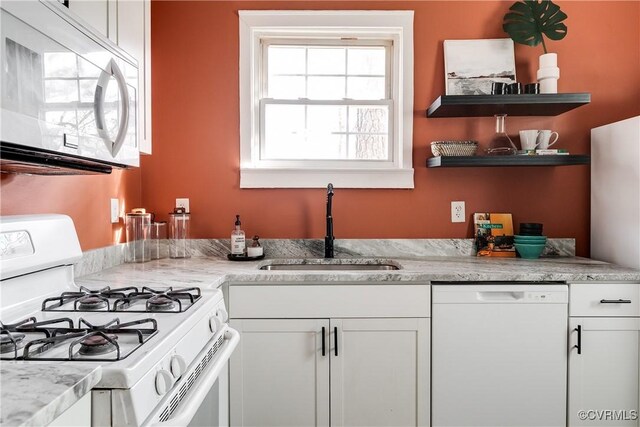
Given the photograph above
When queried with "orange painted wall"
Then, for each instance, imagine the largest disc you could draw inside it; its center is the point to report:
(85, 198)
(196, 154)
(196, 120)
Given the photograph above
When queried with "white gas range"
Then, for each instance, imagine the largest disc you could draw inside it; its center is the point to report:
(163, 352)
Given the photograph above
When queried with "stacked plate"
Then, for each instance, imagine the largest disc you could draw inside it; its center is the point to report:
(530, 242)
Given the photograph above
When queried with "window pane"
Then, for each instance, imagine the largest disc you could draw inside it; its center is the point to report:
(367, 61)
(365, 88)
(365, 119)
(326, 119)
(323, 138)
(326, 61)
(284, 130)
(368, 147)
(325, 88)
(286, 60)
(323, 147)
(286, 87)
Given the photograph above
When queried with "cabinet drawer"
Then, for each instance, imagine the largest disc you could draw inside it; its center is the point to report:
(318, 301)
(604, 299)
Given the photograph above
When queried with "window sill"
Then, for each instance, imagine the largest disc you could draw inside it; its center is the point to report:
(340, 178)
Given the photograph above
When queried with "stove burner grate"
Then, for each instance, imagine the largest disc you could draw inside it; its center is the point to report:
(10, 342)
(90, 341)
(87, 299)
(165, 300)
(168, 300)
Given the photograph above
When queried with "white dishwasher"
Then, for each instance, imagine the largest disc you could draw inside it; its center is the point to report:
(499, 355)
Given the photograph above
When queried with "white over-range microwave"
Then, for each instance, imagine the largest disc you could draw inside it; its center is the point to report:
(68, 96)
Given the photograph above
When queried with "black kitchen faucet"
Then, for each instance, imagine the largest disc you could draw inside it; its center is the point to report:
(328, 238)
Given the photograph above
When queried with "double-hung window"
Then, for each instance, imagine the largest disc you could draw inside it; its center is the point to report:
(326, 96)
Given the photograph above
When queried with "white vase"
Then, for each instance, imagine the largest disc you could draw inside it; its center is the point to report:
(548, 73)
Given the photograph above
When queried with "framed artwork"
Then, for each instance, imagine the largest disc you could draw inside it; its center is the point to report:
(471, 66)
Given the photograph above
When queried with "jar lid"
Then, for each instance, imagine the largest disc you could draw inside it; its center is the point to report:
(138, 212)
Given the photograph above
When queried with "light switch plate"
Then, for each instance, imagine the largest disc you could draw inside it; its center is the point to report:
(457, 212)
(183, 203)
(115, 211)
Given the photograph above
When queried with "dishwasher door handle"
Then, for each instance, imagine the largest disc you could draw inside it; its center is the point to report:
(500, 296)
(615, 301)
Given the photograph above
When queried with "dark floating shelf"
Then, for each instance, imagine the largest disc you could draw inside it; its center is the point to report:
(511, 105)
(502, 161)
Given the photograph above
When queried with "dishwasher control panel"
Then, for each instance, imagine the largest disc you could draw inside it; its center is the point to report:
(500, 294)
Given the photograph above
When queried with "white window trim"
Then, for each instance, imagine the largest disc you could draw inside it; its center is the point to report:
(257, 24)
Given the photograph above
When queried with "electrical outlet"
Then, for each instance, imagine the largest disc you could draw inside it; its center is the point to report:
(457, 212)
(183, 203)
(115, 211)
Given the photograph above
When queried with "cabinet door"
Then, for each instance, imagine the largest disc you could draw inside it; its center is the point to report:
(134, 36)
(604, 378)
(278, 375)
(380, 372)
(93, 12)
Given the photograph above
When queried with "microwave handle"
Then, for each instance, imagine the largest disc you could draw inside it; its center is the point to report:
(194, 400)
(112, 69)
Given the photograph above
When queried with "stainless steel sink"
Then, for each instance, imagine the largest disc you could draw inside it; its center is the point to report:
(331, 267)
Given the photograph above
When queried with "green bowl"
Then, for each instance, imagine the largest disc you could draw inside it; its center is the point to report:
(531, 239)
(529, 251)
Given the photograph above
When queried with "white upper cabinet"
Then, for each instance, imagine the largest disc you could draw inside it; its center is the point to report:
(134, 36)
(93, 12)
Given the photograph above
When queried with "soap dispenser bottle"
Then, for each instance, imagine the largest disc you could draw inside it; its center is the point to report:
(237, 239)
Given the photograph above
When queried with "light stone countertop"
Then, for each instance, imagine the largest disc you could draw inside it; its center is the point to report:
(211, 272)
(36, 393)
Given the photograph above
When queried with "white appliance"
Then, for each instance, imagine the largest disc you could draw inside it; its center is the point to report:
(615, 193)
(499, 355)
(163, 352)
(68, 96)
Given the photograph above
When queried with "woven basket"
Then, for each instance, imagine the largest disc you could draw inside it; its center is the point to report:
(454, 148)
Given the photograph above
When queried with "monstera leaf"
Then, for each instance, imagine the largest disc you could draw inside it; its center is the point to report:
(527, 21)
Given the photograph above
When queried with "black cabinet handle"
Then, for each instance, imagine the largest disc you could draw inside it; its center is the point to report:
(323, 333)
(335, 331)
(615, 301)
(579, 344)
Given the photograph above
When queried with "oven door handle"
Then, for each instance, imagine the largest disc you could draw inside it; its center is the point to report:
(199, 393)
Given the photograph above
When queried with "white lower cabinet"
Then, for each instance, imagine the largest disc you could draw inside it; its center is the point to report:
(380, 372)
(604, 371)
(348, 367)
(374, 372)
(278, 376)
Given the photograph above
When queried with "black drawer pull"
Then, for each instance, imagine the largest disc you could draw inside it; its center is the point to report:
(579, 344)
(615, 301)
(323, 333)
(335, 337)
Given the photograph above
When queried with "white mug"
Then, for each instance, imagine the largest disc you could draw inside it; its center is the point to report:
(528, 139)
(544, 139)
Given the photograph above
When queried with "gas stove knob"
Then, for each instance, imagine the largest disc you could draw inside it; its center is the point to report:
(215, 324)
(178, 366)
(222, 314)
(164, 381)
